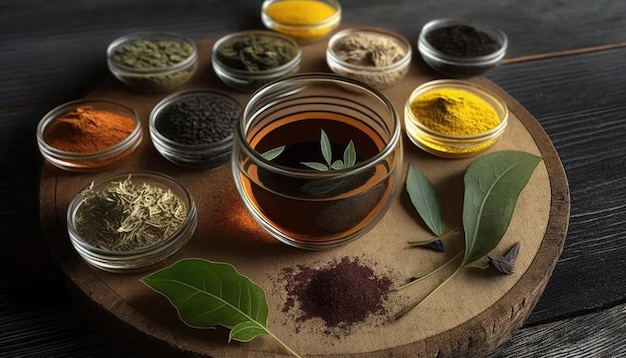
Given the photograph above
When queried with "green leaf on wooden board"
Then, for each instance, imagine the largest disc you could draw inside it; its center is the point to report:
(207, 294)
(493, 184)
(425, 199)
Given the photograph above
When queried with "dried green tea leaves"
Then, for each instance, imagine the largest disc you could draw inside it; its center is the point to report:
(148, 54)
(255, 53)
(126, 216)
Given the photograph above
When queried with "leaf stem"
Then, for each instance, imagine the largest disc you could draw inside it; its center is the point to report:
(406, 311)
(421, 278)
(434, 238)
(291, 351)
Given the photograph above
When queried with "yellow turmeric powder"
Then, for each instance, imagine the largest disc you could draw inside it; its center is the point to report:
(454, 112)
(292, 17)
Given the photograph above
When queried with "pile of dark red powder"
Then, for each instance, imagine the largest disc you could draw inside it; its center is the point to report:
(342, 293)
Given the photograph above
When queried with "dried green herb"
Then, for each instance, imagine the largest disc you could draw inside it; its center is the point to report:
(126, 216)
(493, 184)
(207, 294)
(147, 54)
(255, 53)
(349, 156)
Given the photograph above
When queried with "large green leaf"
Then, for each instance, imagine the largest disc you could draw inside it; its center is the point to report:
(207, 294)
(493, 183)
(425, 199)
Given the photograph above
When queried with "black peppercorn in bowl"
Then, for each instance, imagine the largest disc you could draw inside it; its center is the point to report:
(152, 61)
(247, 60)
(88, 135)
(459, 48)
(131, 222)
(194, 128)
(377, 57)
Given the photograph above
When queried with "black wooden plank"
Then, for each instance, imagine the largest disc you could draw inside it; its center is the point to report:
(579, 100)
(54, 52)
(601, 334)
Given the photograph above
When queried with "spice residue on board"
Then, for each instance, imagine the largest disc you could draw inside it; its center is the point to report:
(341, 293)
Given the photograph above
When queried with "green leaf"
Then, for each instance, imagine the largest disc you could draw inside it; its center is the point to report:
(349, 155)
(337, 164)
(315, 165)
(326, 149)
(273, 153)
(207, 294)
(425, 199)
(493, 183)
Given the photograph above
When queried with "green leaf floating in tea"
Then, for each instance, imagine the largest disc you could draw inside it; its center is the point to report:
(493, 184)
(207, 294)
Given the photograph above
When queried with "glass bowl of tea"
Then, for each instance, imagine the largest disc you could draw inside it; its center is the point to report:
(316, 159)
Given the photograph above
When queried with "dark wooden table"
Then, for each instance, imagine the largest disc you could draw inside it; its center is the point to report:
(565, 65)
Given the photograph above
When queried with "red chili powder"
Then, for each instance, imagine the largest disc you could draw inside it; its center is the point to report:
(344, 293)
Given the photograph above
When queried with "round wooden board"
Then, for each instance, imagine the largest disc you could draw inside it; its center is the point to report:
(471, 316)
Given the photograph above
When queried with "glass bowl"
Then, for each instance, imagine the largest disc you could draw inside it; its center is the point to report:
(305, 21)
(355, 53)
(460, 48)
(70, 138)
(316, 159)
(152, 61)
(248, 76)
(194, 128)
(454, 146)
(95, 209)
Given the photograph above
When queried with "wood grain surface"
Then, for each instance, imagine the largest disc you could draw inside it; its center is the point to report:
(478, 312)
(50, 54)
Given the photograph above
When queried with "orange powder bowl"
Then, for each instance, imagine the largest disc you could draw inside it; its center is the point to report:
(88, 135)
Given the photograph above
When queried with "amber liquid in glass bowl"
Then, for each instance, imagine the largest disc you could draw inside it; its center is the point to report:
(327, 209)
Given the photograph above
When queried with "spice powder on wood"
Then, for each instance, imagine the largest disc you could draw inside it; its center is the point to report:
(342, 294)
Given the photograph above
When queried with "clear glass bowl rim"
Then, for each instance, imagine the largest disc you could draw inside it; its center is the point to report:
(301, 80)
